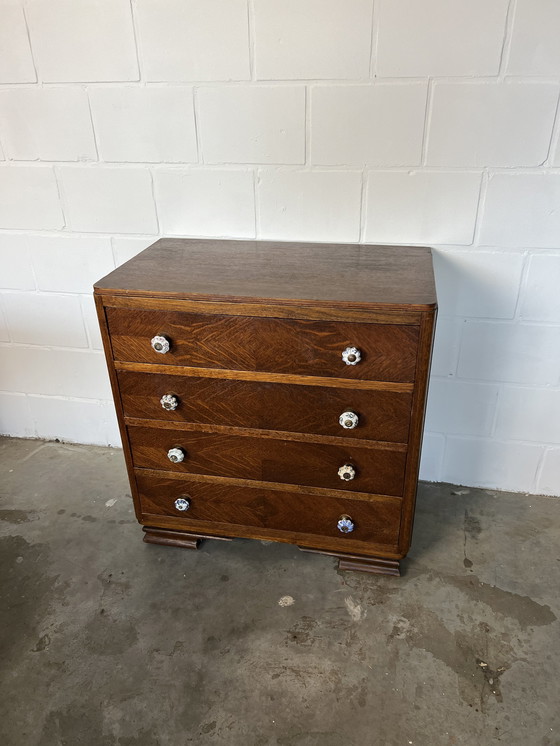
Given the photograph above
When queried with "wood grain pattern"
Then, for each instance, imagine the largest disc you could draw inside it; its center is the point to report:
(190, 427)
(383, 415)
(373, 565)
(280, 311)
(299, 273)
(329, 544)
(170, 538)
(320, 492)
(258, 329)
(420, 398)
(106, 341)
(278, 345)
(375, 522)
(270, 460)
(285, 378)
(181, 539)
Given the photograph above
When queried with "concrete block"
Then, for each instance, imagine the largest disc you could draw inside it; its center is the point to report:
(89, 40)
(421, 207)
(376, 125)
(309, 205)
(29, 198)
(305, 39)
(192, 40)
(145, 124)
(45, 319)
(440, 37)
(109, 200)
(491, 124)
(265, 124)
(201, 202)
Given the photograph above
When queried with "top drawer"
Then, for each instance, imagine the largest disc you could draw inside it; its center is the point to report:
(311, 348)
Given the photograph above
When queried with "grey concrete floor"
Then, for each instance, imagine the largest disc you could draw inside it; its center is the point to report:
(108, 641)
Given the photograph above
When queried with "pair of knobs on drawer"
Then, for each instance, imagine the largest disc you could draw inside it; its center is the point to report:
(345, 524)
(160, 343)
(177, 455)
(348, 420)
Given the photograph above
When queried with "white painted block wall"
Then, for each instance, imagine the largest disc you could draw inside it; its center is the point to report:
(396, 121)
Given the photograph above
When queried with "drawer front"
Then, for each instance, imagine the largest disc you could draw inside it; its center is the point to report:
(376, 520)
(382, 415)
(378, 470)
(388, 351)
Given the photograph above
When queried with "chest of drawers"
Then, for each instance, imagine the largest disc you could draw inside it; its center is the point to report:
(273, 391)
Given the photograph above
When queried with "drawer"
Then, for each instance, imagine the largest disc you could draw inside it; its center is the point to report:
(382, 415)
(301, 347)
(375, 520)
(378, 469)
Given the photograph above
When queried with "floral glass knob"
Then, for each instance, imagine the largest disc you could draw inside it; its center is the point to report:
(176, 455)
(351, 356)
(348, 420)
(347, 472)
(345, 524)
(160, 344)
(182, 503)
(169, 401)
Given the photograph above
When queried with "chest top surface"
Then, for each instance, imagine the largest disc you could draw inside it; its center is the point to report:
(291, 273)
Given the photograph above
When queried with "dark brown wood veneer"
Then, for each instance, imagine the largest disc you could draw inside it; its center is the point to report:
(254, 383)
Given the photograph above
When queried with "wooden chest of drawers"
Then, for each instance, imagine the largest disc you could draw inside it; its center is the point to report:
(273, 391)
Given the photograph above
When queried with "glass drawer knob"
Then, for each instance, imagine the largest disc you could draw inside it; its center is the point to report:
(345, 524)
(351, 356)
(347, 472)
(169, 402)
(176, 455)
(181, 503)
(348, 420)
(160, 344)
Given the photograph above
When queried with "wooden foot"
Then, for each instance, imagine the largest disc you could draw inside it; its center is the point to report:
(171, 538)
(374, 565)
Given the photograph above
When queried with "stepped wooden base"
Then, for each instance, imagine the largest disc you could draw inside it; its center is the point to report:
(171, 538)
(186, 540)
(374, 565)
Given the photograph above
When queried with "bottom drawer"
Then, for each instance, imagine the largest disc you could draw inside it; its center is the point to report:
(375, 520)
